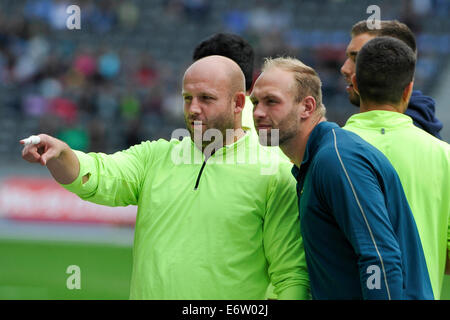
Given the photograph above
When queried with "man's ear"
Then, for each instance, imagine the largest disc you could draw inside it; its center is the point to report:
(407, 92)
(239, 102)
(355, 85)
(309, 104)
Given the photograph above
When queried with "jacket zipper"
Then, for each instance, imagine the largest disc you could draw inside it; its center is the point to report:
(199, 175)
(201, 170)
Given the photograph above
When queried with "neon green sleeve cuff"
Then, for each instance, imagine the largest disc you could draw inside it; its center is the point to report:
(294, 293)
(87, 166)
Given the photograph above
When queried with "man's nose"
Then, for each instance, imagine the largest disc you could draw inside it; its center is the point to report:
(194, 107)
(346, 69)
(258, 112)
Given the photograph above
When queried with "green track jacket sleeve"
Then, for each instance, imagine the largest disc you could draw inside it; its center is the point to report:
(121, 175)
(282, 247)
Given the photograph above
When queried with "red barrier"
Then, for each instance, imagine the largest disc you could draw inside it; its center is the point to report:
(44, 199)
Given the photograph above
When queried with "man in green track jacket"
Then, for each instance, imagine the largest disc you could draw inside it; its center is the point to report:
(214, 221)
(384, 79)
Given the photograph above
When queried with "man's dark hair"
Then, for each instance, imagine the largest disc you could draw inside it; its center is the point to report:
(389, 28)
(384, 67)
(231, 46)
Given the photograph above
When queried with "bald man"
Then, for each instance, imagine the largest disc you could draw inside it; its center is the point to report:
(212, 222)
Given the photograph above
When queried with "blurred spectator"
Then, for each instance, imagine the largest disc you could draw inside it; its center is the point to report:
(38, 9)
(25, 68)
(50, 88)
(106, 102)
(34, 105)
(197, 10)
(75, 136)
(31, 59)
(109, 65)
(64, 108)
(266, 18)
(104, 17)
(421, 8)
(85, 64)
(58, 15)
(128, 15)
(236, 21)
(130, 106)
(147, 73)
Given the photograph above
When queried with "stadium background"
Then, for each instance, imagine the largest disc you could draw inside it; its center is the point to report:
(117, 81)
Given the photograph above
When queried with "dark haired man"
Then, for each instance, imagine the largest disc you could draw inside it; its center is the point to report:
(384, 81)
(421, 108)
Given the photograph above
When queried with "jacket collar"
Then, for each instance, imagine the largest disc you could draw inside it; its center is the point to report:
(379, 118)
(313, 145)
(233, 147)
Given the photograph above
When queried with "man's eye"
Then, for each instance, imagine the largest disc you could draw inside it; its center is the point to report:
(187, 99)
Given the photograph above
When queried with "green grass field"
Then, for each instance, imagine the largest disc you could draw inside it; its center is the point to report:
(37, 270)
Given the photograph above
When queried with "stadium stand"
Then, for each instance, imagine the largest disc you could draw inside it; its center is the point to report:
(116, 81)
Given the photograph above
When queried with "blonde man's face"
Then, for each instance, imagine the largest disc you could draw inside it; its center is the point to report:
(273, 97)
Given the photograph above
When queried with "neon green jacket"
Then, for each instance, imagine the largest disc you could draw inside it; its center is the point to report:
(423, 165)
(221, 232)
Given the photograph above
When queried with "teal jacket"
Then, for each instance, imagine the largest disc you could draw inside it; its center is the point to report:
(360, 237)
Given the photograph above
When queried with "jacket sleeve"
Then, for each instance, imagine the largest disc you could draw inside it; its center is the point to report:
(283, 243)
(448, 246)
(350, 189)
(115, 179)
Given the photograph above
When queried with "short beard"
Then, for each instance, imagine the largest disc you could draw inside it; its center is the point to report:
(219, 124)
(353, 97)
(265, 137)
(287, 136)
(287, 129)
(281, 138)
